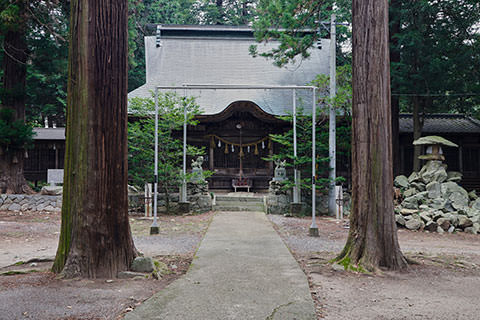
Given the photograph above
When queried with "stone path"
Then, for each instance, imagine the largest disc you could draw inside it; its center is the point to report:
(242, 270)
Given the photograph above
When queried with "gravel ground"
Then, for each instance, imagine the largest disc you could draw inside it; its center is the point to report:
(41, 296)
(178, 235)
(295, 233)
(445, 284)
(158, 245)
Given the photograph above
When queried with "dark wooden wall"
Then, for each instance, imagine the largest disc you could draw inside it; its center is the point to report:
(45, 155)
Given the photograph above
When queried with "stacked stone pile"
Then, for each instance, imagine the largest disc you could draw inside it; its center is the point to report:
(432, 200)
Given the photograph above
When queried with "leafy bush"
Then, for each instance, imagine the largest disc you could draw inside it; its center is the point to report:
(141, 140)
(14, 134)
(342, 103)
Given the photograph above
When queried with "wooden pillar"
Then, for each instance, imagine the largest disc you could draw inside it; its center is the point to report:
(460, 155)
(56, 156)
(270, 153)
(402, 161)
(210, 158)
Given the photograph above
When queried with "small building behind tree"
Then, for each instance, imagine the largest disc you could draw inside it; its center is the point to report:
(48, 153)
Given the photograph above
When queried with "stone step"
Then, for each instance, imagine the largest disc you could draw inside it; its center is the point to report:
(239, 199)
(238, 203)
(239, 208)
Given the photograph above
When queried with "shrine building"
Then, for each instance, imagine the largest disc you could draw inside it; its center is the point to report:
(234, 124)
(237, 123)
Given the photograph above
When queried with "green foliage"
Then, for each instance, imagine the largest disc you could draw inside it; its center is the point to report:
(47, 73)
(304, 150)
(438, 43)
(287, 21)
(227, 12)
(303, 161)
(46, 24)
(14, 134)
(347, 265)
(439, 46)
(9, 15)
(141, 139)
(145, 12)
(342, 103)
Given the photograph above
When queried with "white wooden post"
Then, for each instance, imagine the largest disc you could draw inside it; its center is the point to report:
(148, 200)
(339, 202)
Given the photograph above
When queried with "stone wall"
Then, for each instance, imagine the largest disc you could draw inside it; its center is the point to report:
(37, 202)
(278, 201)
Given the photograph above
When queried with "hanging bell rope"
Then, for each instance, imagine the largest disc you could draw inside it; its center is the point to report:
(254, 143)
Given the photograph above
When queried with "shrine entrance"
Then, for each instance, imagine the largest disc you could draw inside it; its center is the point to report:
(237, 139)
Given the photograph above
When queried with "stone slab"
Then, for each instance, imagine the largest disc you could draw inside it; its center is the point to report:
(242, 270)
(54, 176)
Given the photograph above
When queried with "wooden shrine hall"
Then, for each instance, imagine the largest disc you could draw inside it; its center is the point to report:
(234, 125)
(237, 140)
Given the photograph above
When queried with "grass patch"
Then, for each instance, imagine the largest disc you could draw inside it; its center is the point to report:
(16, 272)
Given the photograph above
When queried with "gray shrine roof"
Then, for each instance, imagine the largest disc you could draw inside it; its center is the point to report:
(220, 55)
(49, 133)
(442, 123)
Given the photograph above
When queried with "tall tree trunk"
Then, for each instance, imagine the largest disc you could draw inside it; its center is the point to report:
(417, 132)
(395, 101)
(95, 239)
(12, 179)
(219, 4)
(372, 241)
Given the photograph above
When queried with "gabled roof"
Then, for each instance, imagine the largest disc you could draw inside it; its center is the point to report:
(442, 123)
(193, 55)
(49, 133)
(243, 106)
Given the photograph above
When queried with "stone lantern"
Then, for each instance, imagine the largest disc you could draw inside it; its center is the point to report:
(434, 149)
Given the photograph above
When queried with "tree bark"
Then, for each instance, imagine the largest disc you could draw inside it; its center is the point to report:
(417, 115)
(219, 4)
(95, 239)
(395, 101)
(372, 242)
(12, 179)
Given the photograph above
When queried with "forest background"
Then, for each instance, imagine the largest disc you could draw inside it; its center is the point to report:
(435, 45)
(434, 49)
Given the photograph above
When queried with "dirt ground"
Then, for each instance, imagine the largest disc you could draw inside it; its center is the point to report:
(32, 238)
(445, 284)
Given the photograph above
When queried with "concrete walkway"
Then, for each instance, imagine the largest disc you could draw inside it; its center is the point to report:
(242, 270)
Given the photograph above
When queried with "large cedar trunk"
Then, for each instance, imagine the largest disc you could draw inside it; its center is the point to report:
(372, 241)
(95, 238)
(12, 179)
(417, 132)
(395, 101)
